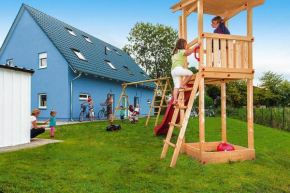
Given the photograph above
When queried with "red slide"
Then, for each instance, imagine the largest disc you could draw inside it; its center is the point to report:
(163, 127)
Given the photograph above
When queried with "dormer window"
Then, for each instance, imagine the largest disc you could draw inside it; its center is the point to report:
(10, 62)
(128, 70)
(87, 39)
(144, 75)
(117, 52)
(110, 64)
(71, 32)
(79, 54)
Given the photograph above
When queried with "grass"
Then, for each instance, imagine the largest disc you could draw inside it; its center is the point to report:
(94, 160)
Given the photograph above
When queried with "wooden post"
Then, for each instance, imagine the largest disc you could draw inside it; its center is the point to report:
(250, 33)
(200, 32)
(124, 87)
(223, 115)
(180, 27)
(201, 116)
(250, 114)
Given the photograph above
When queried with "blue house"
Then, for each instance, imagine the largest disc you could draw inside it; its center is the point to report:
(69, 65)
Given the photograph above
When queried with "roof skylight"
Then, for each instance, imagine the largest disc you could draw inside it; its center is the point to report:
(79, 54)
(128, 70)
(71, 32)
(87, 39)
(110, 64)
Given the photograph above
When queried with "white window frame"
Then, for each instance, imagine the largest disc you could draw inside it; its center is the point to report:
(128, 70)
(42, 56)
(79, 54)
(71, 32)
(110, 64)
(10, 62)
(144, 75)
(83, 98)
(39, 101)
(87, 39)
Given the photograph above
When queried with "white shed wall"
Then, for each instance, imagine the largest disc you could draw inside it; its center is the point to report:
(15, 89)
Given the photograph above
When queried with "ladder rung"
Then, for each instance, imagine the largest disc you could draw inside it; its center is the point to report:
(176, 125)
(156, 112)
(183, 90)
(157, 101)
(180, 107)
(169, 143)
(156, 107)
(164, 106)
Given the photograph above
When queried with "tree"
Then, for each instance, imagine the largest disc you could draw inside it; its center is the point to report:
(271, 83)
(151, 46)
(236, 93)
(285, 93)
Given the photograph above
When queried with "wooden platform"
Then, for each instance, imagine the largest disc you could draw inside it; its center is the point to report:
(212, 156)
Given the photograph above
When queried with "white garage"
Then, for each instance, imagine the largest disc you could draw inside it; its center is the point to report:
(15, 89)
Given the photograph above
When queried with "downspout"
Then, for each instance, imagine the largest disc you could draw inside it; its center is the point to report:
(71, 95)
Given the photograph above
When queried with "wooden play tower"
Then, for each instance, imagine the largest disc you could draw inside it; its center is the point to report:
(222, 58)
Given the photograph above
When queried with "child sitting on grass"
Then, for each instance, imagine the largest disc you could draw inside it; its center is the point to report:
(178, 57)
(52, 122)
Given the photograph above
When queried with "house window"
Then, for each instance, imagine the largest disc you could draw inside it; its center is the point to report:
(10, 62)
(117, 52)
(87, 39)
(42, 60)
(110, 64)
(144, 75)
(83, 97)
(71, 32)
(42, 101)
(79, 54)
(128, 70)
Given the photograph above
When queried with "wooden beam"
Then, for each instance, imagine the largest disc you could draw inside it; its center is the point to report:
(180, 26)
(250, 34)
(235, 11)
(152, 80)
(224, 115)
(200, 32)
(191, 9)
(250, 114)
(192, 43)
(228, 70)
(228, 37)
(182, 4)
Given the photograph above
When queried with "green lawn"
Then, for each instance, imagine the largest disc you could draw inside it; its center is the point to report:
(94, 160)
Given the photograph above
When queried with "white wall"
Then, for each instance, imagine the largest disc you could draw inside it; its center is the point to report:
(14, 107)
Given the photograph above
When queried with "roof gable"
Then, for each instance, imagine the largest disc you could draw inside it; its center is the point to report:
(95, 53)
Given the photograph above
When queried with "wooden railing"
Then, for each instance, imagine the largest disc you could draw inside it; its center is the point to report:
(226, 51)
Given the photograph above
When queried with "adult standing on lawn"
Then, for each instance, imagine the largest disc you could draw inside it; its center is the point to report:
(108, 102)
(34, 129)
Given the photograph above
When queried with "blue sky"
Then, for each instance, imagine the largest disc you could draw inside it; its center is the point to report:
(112, 21)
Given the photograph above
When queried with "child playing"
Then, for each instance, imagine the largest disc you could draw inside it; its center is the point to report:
(137, 109)
(52, 122)
(122, 114)
(218, 23)
(178, 56)
(132, 114)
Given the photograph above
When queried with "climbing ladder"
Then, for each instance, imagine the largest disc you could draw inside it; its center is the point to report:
(183, 121)
(162, 103)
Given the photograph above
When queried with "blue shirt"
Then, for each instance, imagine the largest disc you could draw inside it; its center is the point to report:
(222, 29)
(52, 121)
